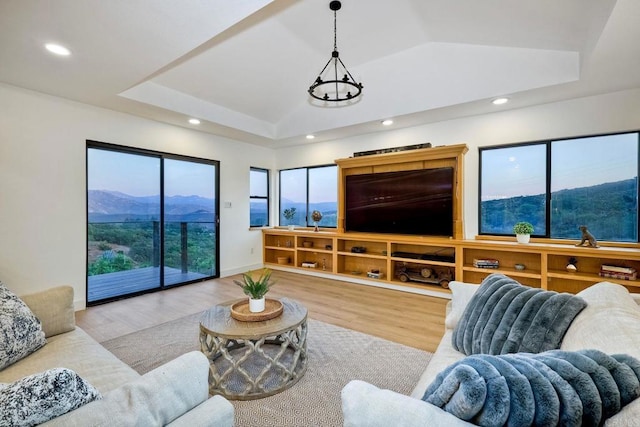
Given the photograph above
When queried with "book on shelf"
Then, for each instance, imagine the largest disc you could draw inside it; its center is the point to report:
(486, 263)
(617, 275)
(617, 269)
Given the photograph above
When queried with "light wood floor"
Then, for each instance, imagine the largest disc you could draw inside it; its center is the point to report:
(410, 319)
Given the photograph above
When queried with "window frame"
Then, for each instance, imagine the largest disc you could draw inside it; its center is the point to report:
(256, 197)
(308, 223)
(548, 172)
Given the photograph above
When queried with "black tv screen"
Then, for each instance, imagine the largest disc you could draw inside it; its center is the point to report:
(403, 202)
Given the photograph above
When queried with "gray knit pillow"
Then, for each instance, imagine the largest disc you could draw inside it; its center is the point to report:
(41, 397)
(20, 331)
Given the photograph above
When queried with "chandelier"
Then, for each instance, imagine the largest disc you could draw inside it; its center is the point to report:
(335, 89)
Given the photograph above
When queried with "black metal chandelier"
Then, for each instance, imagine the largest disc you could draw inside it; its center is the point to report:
(335, 89)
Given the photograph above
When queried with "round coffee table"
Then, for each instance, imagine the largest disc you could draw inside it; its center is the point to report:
(250, 360)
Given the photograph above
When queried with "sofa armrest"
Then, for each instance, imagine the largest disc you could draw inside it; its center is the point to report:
(54, 308)
(155, 399)
(214, 412)
(366, 405)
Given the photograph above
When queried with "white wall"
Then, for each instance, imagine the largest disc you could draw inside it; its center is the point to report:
(42, 170)
(619, 111)
(43, 186)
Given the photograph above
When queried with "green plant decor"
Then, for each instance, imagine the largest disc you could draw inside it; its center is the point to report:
(523, 228)
(289, 214)
(256, 289)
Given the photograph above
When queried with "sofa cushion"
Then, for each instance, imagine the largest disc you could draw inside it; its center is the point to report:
(461, 294)
(75, 350)
(41, 397)
(504, 316)
(54, 308)
(551, 388)
(20, 331)
(611, 321)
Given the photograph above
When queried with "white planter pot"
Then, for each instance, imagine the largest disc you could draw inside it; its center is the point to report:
(523, 238)
(291, 227)
(256, 305)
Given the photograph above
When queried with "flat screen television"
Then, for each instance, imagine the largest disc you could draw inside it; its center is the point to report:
(403, 202)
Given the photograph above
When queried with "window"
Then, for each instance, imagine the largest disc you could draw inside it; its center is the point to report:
(304, 190)
(258, 197)
(560, 185)
(151, 221)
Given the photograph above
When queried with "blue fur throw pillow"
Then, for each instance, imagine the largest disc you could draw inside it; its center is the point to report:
(582, 388)
(504, 316)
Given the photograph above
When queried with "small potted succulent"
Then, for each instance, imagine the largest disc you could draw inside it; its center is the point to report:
(288, 215)
(523, 231)
(256, 289)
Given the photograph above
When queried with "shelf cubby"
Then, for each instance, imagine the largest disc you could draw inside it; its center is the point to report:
(545, 263)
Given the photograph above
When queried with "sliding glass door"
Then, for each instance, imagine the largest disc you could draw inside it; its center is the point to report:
(189, 221)
(151, 221)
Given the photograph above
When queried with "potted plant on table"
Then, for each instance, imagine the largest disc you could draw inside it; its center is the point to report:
(288, 215)
(523, 231)
(256, 289)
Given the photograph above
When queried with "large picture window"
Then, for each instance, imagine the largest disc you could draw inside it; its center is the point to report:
(304, 190)
(559, 185)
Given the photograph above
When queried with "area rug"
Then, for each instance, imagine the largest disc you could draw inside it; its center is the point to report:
(336, 356)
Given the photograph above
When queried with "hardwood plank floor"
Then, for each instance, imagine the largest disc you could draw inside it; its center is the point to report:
(410, 319)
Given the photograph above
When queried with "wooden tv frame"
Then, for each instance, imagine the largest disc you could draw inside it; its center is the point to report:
(425, 158)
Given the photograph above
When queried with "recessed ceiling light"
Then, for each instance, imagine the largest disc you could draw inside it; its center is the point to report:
(57, 49)
(500, 101)
(310, 136)
(387, 122)
(194, 121)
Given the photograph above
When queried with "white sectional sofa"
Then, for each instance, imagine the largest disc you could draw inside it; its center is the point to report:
(610, 323)
(174, 394)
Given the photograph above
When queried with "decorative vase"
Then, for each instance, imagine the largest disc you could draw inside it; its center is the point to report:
(523, 238)
(256, 305)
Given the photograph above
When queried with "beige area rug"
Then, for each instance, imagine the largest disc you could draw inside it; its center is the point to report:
(336, 356)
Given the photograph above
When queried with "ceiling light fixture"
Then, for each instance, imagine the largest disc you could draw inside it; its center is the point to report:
(387, 122)
(194, 121)
(334, 89)
(500, 101)
(57, 49)
(310, 136)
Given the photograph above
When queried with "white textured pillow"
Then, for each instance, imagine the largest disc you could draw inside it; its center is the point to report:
(461, 295)
(610, 322)
(20, 331)
(41, 397)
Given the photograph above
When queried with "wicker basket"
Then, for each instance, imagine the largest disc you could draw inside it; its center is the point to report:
(283, 260)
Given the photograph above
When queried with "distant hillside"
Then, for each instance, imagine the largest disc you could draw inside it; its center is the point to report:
(609, 210)
(116, 206)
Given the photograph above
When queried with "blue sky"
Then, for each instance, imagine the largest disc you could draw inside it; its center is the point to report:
(138, 175)
(584, 162)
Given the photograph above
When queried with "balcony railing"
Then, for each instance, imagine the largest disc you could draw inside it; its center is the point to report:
(124, 257)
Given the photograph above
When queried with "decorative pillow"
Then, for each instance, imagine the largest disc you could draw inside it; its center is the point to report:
(41, 397)
(546, 389)
(20, 331)
(504, 316)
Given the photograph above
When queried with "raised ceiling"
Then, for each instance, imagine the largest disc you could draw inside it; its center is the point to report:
(242, 67)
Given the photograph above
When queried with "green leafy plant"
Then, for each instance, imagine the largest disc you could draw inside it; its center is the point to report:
(289, 213)
(523, 228)
(258, 288)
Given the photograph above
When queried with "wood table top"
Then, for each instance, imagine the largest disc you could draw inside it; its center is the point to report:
(218, 321)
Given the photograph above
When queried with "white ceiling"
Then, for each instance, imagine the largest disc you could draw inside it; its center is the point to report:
(243, 66)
